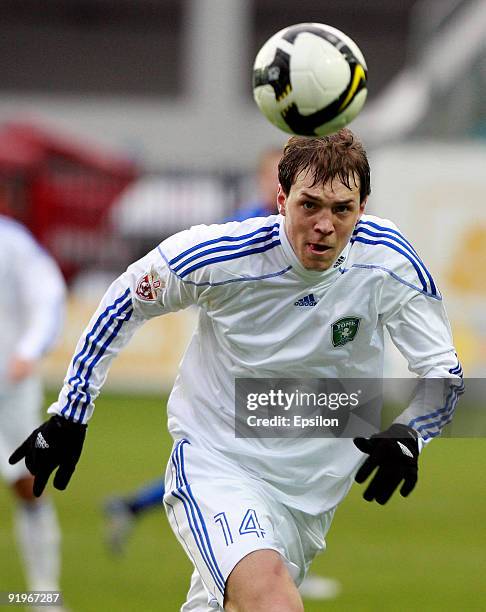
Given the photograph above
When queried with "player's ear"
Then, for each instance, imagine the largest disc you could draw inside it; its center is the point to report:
(281, 200)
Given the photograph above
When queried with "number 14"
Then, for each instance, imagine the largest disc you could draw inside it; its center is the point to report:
(249, 524)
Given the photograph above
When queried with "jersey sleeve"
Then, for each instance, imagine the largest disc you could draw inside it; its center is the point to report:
(418, 326)
(421, 332)
(147, 289)
(412, 310)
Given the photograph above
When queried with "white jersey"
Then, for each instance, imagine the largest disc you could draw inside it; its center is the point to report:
(31, 298)
(262, 314)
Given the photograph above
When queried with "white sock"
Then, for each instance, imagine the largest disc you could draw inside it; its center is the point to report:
(38, 538)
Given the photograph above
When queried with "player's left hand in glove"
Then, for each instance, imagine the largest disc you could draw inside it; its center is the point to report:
(395, 453)
(57, 443)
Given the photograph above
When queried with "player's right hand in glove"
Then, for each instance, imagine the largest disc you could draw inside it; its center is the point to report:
(395, 453)
(57, 443)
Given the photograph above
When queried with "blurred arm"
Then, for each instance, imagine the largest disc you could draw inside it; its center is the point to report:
(41, 292)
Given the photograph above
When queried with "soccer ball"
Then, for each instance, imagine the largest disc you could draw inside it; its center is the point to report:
(310, 79)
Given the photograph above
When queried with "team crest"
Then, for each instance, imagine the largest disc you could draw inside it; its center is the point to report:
(148, 286)
(344, 330)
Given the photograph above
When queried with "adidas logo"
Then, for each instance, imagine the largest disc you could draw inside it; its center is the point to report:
(40, 441)
(308, 300)
(339, 261)
(404, 449)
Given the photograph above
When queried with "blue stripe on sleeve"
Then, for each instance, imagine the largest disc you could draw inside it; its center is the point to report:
(444, 415)
(400, 240)
(426, 430)
(228, 247)
(398, 250)
(228, 257)
(227, 281)
(77, 377)
(92, 350)
(386, 229)
(222, 239)
(99, 355)
(93, 346)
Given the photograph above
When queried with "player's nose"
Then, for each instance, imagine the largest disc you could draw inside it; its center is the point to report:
(324, 224)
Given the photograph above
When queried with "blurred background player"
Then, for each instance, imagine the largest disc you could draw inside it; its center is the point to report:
(122, 511)
(266, 185)
(31, 312)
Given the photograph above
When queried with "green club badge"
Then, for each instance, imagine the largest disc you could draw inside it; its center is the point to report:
(344, 330)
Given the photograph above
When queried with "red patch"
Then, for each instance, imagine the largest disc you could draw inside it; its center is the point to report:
(147, 288)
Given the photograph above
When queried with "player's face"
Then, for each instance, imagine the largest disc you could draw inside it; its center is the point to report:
(319, 220)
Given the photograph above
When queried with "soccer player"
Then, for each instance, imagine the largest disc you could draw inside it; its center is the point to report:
(31, 312)
(306, 294)
(122, 511)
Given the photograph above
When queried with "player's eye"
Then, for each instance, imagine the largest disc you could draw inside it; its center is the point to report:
(342, 208)
(309, 205)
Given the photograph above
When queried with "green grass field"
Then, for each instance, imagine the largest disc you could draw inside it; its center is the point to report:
(427, 552)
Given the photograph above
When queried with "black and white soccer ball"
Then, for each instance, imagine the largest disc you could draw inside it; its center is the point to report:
(310, 79)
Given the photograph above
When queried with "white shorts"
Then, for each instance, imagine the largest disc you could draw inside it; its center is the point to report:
(220, 513)
(19, 416)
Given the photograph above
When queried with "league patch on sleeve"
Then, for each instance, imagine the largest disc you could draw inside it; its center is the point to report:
(149, 286)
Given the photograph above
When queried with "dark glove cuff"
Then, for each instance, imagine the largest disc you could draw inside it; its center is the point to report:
(399, 431)
(67, 424)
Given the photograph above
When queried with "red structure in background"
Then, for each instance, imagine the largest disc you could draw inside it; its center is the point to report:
(63, 192)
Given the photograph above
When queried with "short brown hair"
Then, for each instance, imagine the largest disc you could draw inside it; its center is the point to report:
(339, 155)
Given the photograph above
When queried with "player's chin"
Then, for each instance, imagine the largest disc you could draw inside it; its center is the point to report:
(318, 264)
(318, 260)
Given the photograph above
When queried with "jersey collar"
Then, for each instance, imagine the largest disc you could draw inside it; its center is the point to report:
(314, 276)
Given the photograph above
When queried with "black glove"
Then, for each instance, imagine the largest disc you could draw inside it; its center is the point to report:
(57, 442)
(395, 453)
